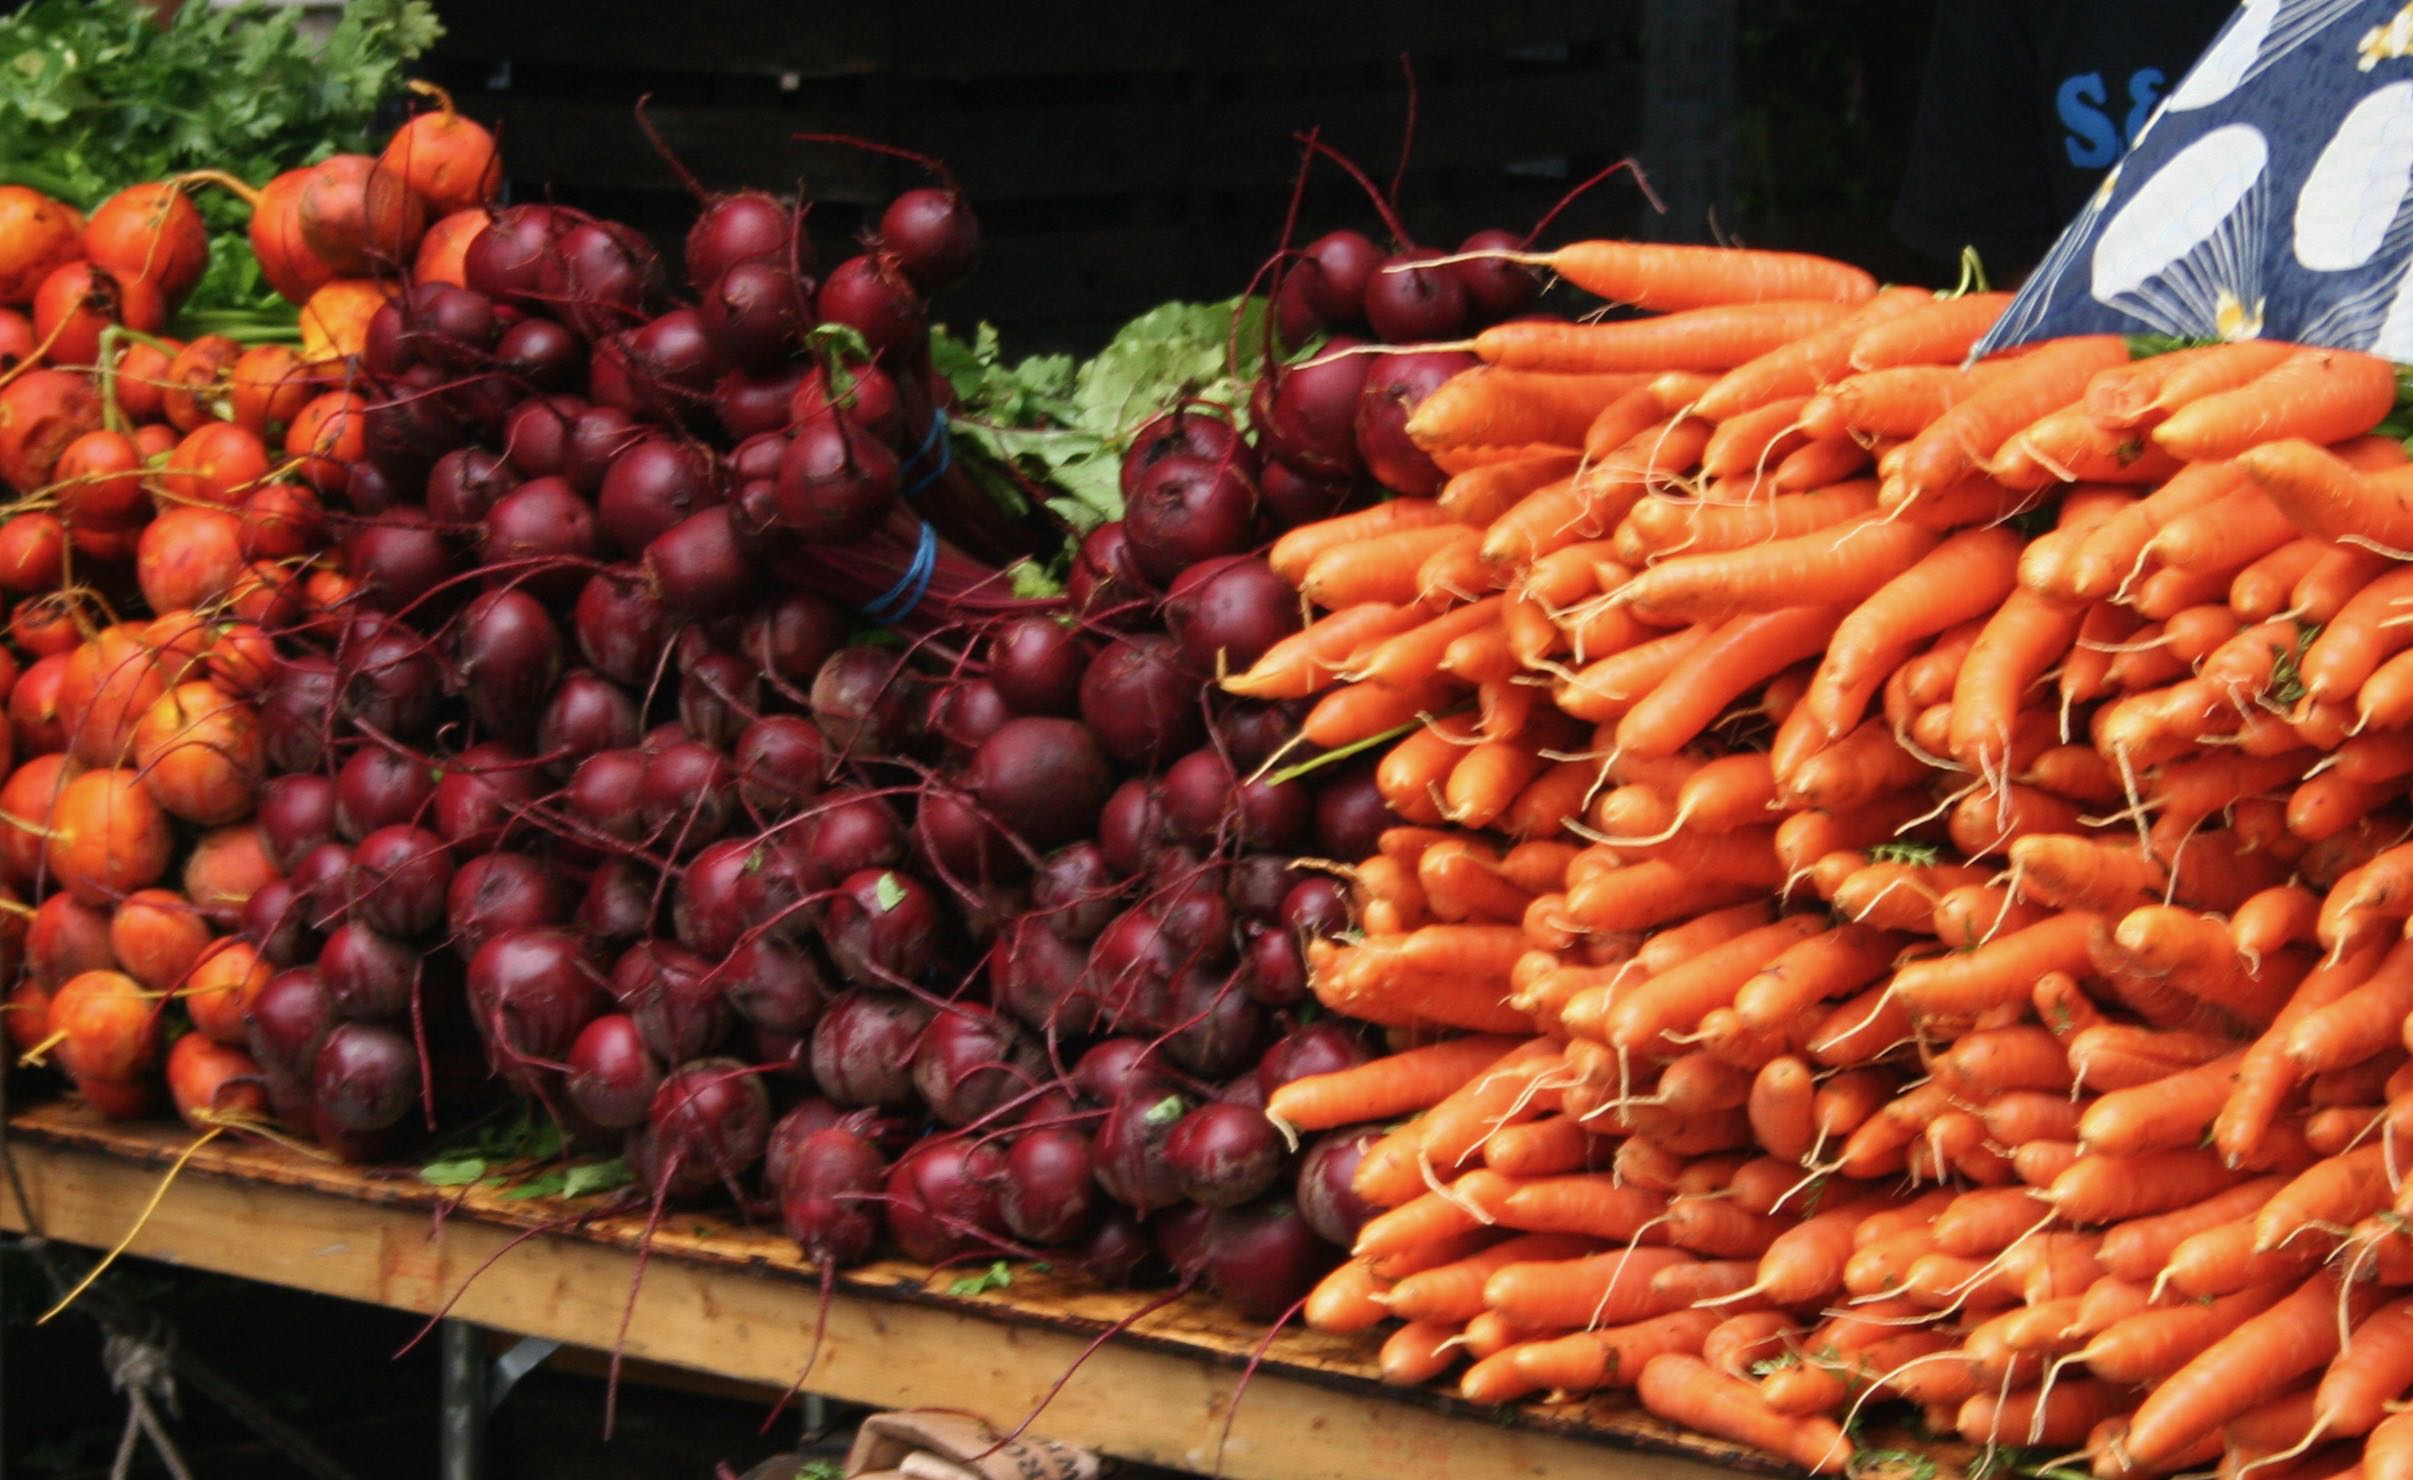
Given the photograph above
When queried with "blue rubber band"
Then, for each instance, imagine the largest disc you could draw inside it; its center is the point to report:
(898, 601)
(945, 442)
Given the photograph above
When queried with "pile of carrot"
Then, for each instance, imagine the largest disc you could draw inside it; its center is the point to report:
(1904, 879)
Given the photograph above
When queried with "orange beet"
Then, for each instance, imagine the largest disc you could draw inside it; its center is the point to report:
(111, 1026)
(200, 753)
(208, 1080)
(266, 387)
(33, 552)
(118, 1100)
(27, 1009)
(445, 249)
(110, 680)
(189, 556)
(217, 463)
(335, 320)
(67, 939)
(108, 838)
(156, 936)
(286, 260)
(219, 988)
(41, 412)
(196, 381)
(228, 865)
(150, 234)
(357, 216)
(100, 479)
(38, 236)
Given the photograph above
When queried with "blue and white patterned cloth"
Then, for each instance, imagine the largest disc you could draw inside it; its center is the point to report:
(2270, 195)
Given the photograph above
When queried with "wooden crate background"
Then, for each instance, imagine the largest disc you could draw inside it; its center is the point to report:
(1119, 154)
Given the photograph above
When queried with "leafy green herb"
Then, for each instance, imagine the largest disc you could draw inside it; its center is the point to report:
(820, 1469)
(1906, 850)
(95, 96)
(996, 1277)
(1903, 1464)
(587, 1178)
(1778, 1363)
(888, 892)
(2286, 688)
(2146, 346)
(454, 1171)
(1069, 424)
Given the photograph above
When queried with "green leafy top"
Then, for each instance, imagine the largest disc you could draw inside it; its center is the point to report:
(997, 1276)
(1070, 424)
(96, 96)
(504, 1152)
(1905, 850)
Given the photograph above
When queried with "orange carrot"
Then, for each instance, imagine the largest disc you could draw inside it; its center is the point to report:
(1967, 576)
(1491, 407)
(1667, 277)
(2269, 1350)
(2327, 496)
(1480, 495)
(1306, 662)
(1298, 548)
(1846, 563)
(2143, 393)
(1941, 333)
(1414, 1079)
(1594, 1289)
(1897, 402)
(1418, 1352)
(1801, 367)
(1453, 1292)
(1961, 440)
(1347, 1299)
(2321, 395)
(1998, 971)
(1378, 568)
(1687, 1391)
(1612, 1356)
(2335, 1191)
(1742, 653)
(1713, 338)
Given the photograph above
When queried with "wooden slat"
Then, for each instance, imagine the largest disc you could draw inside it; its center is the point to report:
(735, 36)
(737, 1302)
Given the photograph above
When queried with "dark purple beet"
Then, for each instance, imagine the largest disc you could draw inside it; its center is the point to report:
(751, 403)
(719, 695)
(1105, 586)
(606, 796)
(1327, 1201)
(1350, 813)
(1288, 498)
(295, 712)
(369, 975)
(671, 993)
(799, 1123)
(539, 354)
(964, 848)
(618, 905)
(965, 713)
(1273, 967)
(1336, 267)
(789, 637)
(531, 991)
(1276, 817)
(1393, 389)
(277, 923)
(1255, 885)
(836, 482)
(1134, 826)
(971, 1061)
(1037, 976)
(1131, 966)
(397, 558)
(536, 434)
(1036, 664)
(482, 796)
(1307, 413)
(1495, 288)
(863, 1047)
(943, 1198)
(1044, 778)
(1185, 431)
(1198, 797)
(829, 1196)
(866, 395)
(296, 813)
(1050, 1194)
(881, 926)
(589, 713)
(542, 537)
(869, 296)
(507, 658)
(1129, 1150)
(596, 438)
(708, 912)
(651, 486)
(1227, 611)
(365, 1078)
(933, 236)
(495, 892)
(1185, 510)
(1179, 1234)
(465, 483)
(506, 261)
(1264, 1258)
(773, 983)
(1140, 702)
(600, 274)
(862, 699)
(1253, 733)
(622, 629)
(744, 226)
(391, 679)
(753, 314)
(1221, 1031)
(1406, 304)
(688, 796)
(851, 834)
(779, 760)
(322, 883)
(1223, 1154)
(1322, 1047)
(1075, 892)
(612, 1075)
(1113, 1065)
(1317, 906)
(707, 1126)
(399, 878)
(700, 568)
(288, 1020)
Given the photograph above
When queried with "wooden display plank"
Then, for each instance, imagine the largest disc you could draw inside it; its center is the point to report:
(721, 1298)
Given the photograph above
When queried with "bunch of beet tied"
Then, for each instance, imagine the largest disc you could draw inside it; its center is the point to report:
(978, 930)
